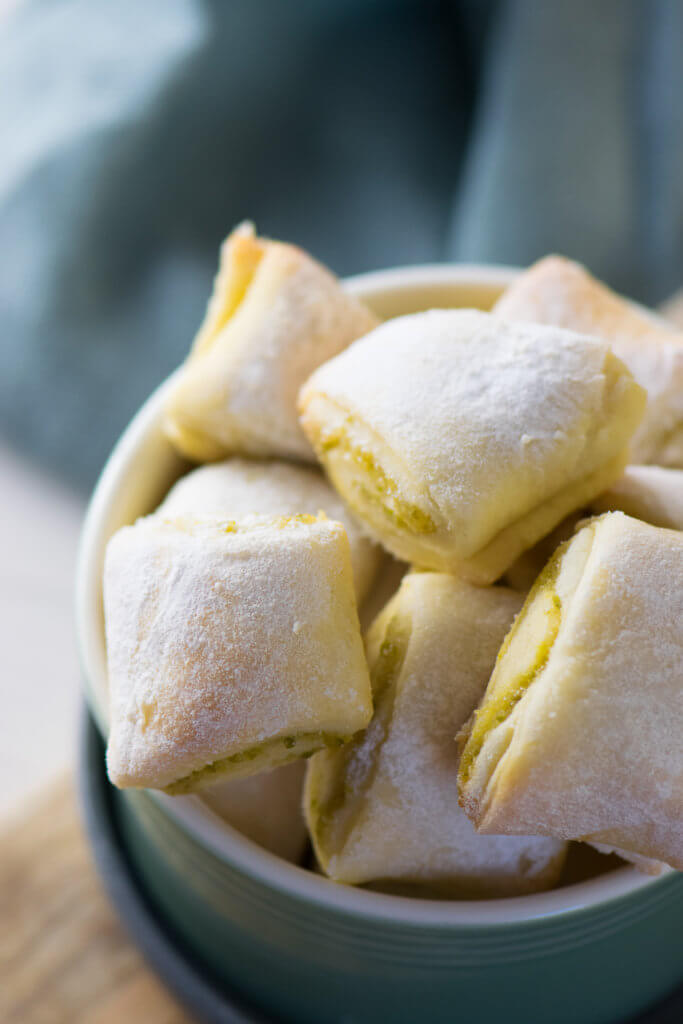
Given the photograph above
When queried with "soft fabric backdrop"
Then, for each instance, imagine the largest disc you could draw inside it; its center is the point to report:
(372, 132)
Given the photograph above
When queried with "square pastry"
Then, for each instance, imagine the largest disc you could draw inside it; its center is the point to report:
(275, 314)
(561, 292)
(579, 733)
(460, 439)
(384, 807)
(232, 648)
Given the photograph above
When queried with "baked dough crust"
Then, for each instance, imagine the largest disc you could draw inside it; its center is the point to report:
(461, 439)
(274, 316)
(558, 291)
(239, 488)
(232, 648)
(383, 808)
(651, 493)
(525, 570)
(579, 734)
(266, 808)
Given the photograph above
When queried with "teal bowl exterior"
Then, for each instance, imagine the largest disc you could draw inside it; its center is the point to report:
(310, 961)
(313, 952)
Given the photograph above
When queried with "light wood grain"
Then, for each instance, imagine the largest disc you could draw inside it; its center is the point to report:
(40, 521)
(64, 958)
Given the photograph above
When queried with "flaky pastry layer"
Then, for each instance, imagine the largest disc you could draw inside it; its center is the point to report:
(237, 488)
(579, 733)
(232, 648)
(460, 439)
(274, 316)
(561, 292)
(383, 808)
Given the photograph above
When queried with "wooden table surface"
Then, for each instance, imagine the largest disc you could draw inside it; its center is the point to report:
(40, 521)
(64, 958)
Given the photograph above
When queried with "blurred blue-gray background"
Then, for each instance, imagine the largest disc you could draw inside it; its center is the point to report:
(372, 132)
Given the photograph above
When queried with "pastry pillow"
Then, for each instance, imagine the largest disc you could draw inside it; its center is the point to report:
(383, 807)
(579, 733)
(561, 292)
(239, 488)
(231, 648)
(275, 314)
(460, 438)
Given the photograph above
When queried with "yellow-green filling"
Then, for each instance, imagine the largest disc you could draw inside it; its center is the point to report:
(376, 487)
(232, 526)
(235, 276)
(267, 755)
(297, 519)
(501, 700)
(345, 776)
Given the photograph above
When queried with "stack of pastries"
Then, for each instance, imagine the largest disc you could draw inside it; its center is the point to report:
(497, 497)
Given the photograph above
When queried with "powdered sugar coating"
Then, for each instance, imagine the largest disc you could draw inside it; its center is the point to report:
(261, 339)
(221, 638)
(479, 421)
(238, 488)
(409, 826)
(593, 749)
(558, 291)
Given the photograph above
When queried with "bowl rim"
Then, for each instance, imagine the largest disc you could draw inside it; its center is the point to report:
(211, 832)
